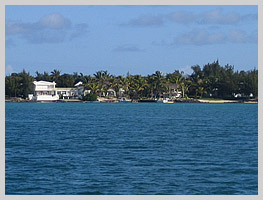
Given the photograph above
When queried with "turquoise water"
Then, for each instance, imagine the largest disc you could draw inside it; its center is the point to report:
(143, 148)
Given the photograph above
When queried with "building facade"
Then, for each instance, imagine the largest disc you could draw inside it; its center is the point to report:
(44, 91)
(47, 91)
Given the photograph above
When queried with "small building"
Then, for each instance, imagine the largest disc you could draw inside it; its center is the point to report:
(121, 92)
(111, 93)
(66, 93)
(242, 95)
(173, 91)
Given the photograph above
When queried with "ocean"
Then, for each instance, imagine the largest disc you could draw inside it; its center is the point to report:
(131, 149)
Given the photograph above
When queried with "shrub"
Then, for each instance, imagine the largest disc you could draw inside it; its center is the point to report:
(90, 97)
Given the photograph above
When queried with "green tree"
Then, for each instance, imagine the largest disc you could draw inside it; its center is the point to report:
(90, 97)
(55, 74)
(26, 83)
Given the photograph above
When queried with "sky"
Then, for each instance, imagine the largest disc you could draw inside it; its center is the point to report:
(135, 39)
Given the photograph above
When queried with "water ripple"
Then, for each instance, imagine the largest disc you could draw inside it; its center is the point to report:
(98, 149)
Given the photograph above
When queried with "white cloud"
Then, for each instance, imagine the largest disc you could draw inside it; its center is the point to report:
(53, 28)
(182, 17)
(12, 27)
(216, 16)
(237, 36)
(145, 21)
(46, 36)
(186, 69)
(201, 37)
(128, 48)
(54, 21)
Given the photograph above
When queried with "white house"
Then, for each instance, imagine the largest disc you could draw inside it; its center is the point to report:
(46, 91)
(173, 92)
(66, 93)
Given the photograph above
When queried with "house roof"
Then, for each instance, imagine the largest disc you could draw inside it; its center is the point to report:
(64, 89)
(44, 83)
(111, 90)
(79, 83)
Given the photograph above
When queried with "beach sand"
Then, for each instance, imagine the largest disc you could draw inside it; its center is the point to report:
(225, 101)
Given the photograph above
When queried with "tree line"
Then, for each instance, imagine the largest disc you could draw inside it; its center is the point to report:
(212, 80)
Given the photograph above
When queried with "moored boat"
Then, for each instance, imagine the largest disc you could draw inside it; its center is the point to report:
(124, 100)
(168, 101)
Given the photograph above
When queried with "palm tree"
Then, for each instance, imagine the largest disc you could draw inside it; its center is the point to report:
(116, 84)
(138, 84)
(26, 83)
(55, 74)
(159, 83)
(201, 91)
(125, 84)
(75, 75)
(184, 87)
(102, 77)
(39, 76)
(93, 86)
(151, 84)
(46, 76)
(100, 80)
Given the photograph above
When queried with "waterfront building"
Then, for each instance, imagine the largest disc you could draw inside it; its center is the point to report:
(44, 91)
(47, 91)
(173, 92)
(111, 93)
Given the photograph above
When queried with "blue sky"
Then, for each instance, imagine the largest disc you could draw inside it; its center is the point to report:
(134, 39)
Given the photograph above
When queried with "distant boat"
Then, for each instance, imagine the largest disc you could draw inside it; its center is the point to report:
(165, 101)
(168, 101)
(124, 100)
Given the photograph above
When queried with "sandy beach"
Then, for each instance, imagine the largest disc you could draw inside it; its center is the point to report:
(225, 101)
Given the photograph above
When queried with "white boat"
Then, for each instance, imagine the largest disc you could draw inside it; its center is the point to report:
(124, 100)
(168, 101)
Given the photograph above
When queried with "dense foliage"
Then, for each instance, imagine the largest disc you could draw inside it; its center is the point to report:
(90, 97)
(212, 80)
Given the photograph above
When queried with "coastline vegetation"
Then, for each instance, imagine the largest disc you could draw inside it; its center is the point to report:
(90, 97)
(210, 81)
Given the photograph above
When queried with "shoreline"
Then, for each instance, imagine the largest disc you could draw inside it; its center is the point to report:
(115, 100)
(227, 101)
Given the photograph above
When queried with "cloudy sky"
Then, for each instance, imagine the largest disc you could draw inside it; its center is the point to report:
(134, 39)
